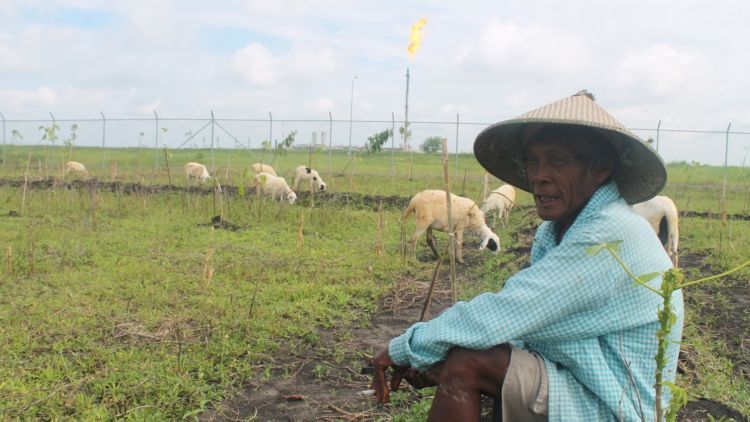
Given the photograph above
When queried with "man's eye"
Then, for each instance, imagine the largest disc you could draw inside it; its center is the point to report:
(558, 161)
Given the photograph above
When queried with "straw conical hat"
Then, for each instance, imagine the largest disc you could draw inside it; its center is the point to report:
(640, 173)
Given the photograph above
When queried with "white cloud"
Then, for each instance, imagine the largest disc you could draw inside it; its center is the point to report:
(322, 105)
(513, 48)
(43, 97)
(257, 65)
(260, 67)
(660, 69)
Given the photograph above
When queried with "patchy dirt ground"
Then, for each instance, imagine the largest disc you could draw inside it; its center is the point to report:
(324, 382)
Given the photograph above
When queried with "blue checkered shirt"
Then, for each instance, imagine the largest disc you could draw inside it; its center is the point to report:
(594, 328)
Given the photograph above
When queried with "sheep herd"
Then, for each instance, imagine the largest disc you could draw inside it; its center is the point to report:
(430, 206)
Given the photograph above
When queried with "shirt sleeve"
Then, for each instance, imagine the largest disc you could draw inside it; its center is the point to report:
(561, 297)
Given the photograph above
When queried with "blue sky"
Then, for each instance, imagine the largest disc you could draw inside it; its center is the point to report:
(682, 63)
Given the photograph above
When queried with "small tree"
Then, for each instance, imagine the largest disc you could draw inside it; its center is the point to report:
(432, 144)
(376, 141)
(284, 145)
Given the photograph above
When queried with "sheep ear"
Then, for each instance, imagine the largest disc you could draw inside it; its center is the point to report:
(308, 170)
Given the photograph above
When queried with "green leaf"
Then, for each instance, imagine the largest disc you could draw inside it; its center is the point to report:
(594, 250)
(648, 277)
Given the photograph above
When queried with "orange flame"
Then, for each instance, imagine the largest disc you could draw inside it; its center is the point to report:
(415, 38)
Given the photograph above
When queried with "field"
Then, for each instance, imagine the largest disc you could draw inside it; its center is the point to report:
(132, 295)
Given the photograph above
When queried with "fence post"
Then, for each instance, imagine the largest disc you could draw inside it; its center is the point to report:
(726, 157)
(156, 141)
(104, 137)
(213, 160)
(330, 145)
(270, 135)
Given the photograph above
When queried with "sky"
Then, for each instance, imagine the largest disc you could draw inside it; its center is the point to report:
(684, 64)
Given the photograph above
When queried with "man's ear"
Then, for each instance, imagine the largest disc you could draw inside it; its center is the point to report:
(600, 174)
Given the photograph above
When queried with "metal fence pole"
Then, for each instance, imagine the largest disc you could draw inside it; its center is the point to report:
(104, 137)
(330, 144)
(726, 157)
(457, 144)
(658, 127)
(270, 135)
(156, 140)
(213, 159)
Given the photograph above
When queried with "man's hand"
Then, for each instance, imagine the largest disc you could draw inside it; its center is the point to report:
(380, 363)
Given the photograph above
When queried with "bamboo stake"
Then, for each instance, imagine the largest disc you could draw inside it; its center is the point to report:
(463, 186)
(379, 232)
(9, 255)
(428, 299)
(166, 160)
(451, 231)
(25, 183)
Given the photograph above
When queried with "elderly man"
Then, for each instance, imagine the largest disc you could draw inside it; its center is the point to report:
(571, 337)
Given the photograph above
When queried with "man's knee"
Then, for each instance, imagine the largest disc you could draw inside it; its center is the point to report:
(482, 369)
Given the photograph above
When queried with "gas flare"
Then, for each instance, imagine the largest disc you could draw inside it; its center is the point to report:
(415, 38)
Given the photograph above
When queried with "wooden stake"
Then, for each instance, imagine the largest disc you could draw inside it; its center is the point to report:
(463, 186)
(428, 299)
(9, 255)
(379, 232)
(166, 159)
(113, 170)
(25, 183)
(451, 230)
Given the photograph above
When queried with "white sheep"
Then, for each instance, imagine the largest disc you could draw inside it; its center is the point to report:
(195, 170)
(274, 186)
(77, 167)
(661, 213)
(262, 168)
(308, 175)
(429, 208)
(198, 171)
(501, 200)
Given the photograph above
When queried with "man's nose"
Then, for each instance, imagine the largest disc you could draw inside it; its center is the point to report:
(539, 173)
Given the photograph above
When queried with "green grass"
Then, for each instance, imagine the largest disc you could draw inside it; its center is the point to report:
(125, 305)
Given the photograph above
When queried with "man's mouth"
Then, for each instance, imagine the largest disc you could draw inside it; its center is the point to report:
(546, 198)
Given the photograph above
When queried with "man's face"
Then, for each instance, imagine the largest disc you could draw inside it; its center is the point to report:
(560, 182)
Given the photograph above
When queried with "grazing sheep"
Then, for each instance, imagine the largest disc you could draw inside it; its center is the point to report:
(661, 213)
(502, 200)
(198, 171)
(262, 168)
(195, 170)
(429, 208)
(308, 175)
(77, 167)
(274, 186)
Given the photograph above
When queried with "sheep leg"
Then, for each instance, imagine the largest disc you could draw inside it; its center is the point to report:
(414, 239)
(431, 243)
